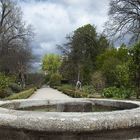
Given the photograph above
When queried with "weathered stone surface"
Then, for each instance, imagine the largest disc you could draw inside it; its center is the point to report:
(19, 134)
(29, 125)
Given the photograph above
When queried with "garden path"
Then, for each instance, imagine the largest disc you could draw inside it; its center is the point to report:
(48, 93)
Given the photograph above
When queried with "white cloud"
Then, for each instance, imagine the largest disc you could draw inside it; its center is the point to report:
(53, 19)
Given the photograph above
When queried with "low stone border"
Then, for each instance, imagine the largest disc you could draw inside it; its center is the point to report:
(72, 125)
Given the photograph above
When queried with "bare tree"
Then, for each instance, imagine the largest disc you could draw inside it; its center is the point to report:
(12, 28)
(124, 19)
(15, 36)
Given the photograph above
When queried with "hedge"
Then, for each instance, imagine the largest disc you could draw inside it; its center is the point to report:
(22, 95)
(72, 92)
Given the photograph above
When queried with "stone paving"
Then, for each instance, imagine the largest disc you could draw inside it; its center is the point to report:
(48, 93)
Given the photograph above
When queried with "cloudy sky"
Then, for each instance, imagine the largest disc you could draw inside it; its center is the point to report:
(52, 20)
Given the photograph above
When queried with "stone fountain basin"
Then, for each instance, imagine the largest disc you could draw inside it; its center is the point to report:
(29, 125)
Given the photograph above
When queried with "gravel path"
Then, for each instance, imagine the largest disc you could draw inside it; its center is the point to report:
(48, 93)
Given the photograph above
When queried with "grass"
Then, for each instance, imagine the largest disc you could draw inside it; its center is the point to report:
(22, 95)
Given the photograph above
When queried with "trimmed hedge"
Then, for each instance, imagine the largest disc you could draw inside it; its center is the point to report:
(72, 92)
(22, 95)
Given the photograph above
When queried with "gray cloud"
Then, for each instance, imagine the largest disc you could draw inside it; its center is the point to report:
(53, 19)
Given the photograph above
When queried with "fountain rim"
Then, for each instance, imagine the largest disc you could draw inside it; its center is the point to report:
(70, 122)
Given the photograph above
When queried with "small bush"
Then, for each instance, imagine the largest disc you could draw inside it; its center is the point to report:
(98, 81)
(4, 83)
(88, 89)
(15, 87)
(55, 79)
(70, 91)
(122, 75)
(2, 94)
(8, 91)
(22, 95)
(114, 92)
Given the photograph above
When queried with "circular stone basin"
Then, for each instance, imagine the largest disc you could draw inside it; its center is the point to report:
(71, 119)
(70, 106)
(83, 106)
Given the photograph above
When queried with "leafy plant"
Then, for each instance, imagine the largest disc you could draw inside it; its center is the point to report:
(114, 92)
(98, 81)
(15, 87)
(22, 95)
(88, 89)
(7, 92)
(122, 75)
(4, 83)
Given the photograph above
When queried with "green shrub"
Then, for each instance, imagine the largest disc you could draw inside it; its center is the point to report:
(126, 93)
(4, 83)
(88, 89)
(2, 94)
(109, 92)
(8, 91)
(122, 75)
(70, 91)
(98, 81)
(74, 93)
(55, 79)
(68, 86)
(15, 87)
(114, 92)
(22, 95)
